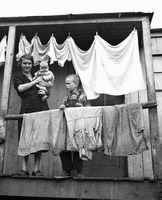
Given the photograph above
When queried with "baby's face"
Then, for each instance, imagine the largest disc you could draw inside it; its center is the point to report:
(44, 68)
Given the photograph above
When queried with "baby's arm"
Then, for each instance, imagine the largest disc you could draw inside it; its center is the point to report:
(49, 77)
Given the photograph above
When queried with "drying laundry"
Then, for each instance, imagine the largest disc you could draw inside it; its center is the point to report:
(125, 135)
(42, 131)
(103, 68)
(110, 115)
(24, 47)
(39, 51)
(3, 45)
(84, 126)
(59, 52)
(119, 69)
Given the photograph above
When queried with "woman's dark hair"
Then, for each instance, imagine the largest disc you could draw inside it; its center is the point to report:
(26, 56)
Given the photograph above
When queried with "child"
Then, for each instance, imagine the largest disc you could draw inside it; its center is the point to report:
(75, 98)
(47, 80)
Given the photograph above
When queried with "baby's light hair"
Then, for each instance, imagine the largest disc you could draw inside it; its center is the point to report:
(43, 63)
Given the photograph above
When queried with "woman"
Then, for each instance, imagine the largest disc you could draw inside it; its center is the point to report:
(30, 102)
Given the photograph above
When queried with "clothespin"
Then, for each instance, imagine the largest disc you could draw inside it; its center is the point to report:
(96, 32)
(69, 34)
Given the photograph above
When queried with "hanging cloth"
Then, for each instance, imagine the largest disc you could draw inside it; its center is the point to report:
(39, 51)
(114, 70)
(123, 130)
(59, 52)
(3, 45)
(84, 126)
(42, 131)
(24, 47)
(119, 69)
(85, 66)
(103, 68)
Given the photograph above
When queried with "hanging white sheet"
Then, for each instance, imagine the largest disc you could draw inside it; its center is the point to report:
(119, 69)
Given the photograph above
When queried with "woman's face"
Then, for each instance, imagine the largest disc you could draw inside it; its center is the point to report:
(26, 65)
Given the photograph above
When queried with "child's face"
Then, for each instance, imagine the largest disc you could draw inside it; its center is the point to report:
(44, 67)
(71, 85)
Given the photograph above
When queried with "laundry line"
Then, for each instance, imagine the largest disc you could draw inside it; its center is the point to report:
(103, 68)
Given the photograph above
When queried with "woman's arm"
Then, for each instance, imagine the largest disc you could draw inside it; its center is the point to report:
(26, 86)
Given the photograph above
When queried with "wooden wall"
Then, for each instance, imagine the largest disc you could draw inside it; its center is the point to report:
(140, 166)
(156, 41)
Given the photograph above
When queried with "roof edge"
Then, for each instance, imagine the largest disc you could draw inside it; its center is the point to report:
(76, 16)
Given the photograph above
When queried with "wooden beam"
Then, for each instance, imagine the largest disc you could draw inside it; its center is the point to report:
(153, 116)
(6, 88)
(20, 116)
(80, 189)
(73, 21)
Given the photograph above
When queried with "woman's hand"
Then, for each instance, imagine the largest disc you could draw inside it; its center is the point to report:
(38, 80)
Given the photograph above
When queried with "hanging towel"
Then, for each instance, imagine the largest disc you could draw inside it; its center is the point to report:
(3, 45)
(84, 130)
(127, 136)
(42, 131)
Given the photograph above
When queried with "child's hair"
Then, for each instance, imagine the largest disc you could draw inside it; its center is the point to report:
(75, 78)
(42, 63)
(25, 56)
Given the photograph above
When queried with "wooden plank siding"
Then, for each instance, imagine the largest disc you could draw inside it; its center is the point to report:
(141, 165)
(156, 44)
(151, 94)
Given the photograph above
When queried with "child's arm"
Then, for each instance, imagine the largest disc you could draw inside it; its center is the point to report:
(83, 101)
(62, 107)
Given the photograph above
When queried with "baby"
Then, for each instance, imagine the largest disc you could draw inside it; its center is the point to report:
(47, 80)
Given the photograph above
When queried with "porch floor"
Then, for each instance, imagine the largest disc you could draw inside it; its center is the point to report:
(81, 188)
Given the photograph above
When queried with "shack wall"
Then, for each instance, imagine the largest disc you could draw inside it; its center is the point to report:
(156, 41)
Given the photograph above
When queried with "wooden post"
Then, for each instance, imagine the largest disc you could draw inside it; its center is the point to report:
(153, 115)
(6, 89)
